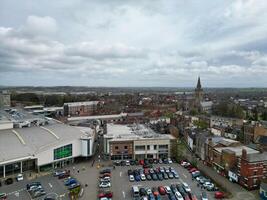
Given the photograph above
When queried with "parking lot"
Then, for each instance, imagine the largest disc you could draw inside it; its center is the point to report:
(52, 186)
(122, 186)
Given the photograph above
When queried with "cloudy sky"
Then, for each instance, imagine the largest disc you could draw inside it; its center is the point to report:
(133, 42)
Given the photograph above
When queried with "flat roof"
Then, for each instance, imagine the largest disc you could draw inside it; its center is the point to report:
(237, 150)
(116, 116)
(84, 103)
(133, 132)
(22, 142)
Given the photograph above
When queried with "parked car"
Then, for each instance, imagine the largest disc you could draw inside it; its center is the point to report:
(3, 196)
(29, 185)
(193, 170)
(106, 194)
(169, 160)
(165, 176)
(107, 178)
(186, 187)
(160, 177)
(219, 195)
(170, 175)
(167, 189)
(143, 177)
(131, 178)
(70, 181)
(8, 181)
(104, 171)
(161, 190)
(64, 175)
(204, 196)
(178, 196)
(142, 192)
(127, 163)
(154, 177)
(105, 184)
(130, 172)
(148, 177)
(19, 177)
(171, 196)
(175, 174)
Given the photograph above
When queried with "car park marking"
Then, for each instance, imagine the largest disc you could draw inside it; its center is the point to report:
(17, 191)
(123, 194)
(120, 174)
(50, 185)
(184, 175)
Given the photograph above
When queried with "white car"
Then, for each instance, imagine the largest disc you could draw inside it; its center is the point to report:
(167, 189)
(105, 179)
(169, 161)
(127, 163)
(178, 196)
(105, 185)
(19, 177)
(148, 191)
(143, 177)
(208, 185)
(186, 187)
(131, 178)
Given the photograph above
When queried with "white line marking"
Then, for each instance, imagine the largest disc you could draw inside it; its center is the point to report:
(123, 194)
(50, 185)
(120, 174)
(17, 191)
(184, 175)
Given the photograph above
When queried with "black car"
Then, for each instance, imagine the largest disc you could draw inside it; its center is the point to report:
(8, 181)
(170, 175)
(32, 184)
(130, 172)
(132, 162)
(160, 177)
(150, 161)
(180, 189)
(117, 163)
(142, 192)
(123, 163)
(173, 188)
(165, 176)
(104, 171)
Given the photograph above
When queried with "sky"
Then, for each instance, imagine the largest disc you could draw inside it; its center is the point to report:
(127, 43)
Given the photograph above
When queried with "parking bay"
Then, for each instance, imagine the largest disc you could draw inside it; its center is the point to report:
(51, 185)
(121, 186)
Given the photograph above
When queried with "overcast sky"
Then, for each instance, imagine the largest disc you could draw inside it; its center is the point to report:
(133, 42)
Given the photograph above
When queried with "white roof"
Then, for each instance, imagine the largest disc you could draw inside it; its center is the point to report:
(237, 150)
(16, 144)
(85, 103)
(133, 132)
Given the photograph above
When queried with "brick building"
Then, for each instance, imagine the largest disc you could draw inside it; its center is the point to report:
(80, 108)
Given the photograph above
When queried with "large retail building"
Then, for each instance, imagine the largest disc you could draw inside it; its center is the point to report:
(40, 143)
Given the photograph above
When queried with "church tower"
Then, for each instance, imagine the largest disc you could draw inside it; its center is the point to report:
(199, 92)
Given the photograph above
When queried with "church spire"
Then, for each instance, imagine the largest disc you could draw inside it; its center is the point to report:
(198, 83)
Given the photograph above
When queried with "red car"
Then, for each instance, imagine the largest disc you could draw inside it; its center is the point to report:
(105, 175)
(161, 190)
(141, 162)
(193, 170)
(219, 195)
(105, 194)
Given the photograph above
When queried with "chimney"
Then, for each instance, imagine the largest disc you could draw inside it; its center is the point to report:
(244, 154)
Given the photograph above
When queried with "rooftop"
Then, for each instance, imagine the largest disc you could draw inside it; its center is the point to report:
(22, 142)
(133, 132)
(237, 150)
(85, 103)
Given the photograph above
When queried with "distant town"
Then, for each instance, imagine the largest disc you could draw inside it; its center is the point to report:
(214, 141)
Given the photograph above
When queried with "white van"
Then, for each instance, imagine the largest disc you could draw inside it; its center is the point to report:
(135, 191)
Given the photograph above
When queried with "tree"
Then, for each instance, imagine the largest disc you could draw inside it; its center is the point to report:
(228, 109)
(201, 124)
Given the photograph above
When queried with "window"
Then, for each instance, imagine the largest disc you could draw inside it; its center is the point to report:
(125, 147)
(148, 147)
(140, 148)
(163, 146)
(155, 147)
(116, 147)
(63, 152)
(255, 172)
